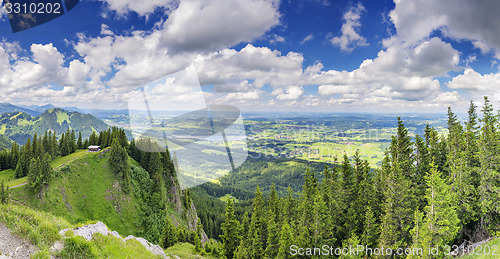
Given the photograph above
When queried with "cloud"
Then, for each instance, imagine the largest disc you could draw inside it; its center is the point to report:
(475, 21)
(401, 74)
(307, 38)
(105, 30)
(261, 64)
(350, 38)
(200, 25)
(288, 93)
(276, 38)
(142, 8)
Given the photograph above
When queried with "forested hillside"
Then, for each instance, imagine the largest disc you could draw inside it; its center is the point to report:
(20, 126)
(134, 192)
(431, 191)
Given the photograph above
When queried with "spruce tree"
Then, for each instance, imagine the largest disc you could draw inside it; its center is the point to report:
(34, 175)
(198, 247)
(46, 171)
(258, 227)
(399, 207)
(460, 174)
(489, 186)
(285, 242)
(231, 231)
(14, 155)
(79, 142)
(4, 193)
(441, 222)
(272, 245)
(169, 237)
(348, 218)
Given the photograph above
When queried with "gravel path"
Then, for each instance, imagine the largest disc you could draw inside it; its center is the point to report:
(12, 246)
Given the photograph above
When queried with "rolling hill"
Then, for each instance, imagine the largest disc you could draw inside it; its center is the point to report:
(86, 189)
(5, 142)
(19, 126)
(7, 107)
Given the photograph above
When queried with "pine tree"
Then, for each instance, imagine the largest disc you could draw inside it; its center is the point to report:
(285, 242)
(441, 222)
(460, 174)
(34, 176)
(198, 247)
(14, 155)
(418, 236)
(306, 210)
(399, 206)
(422, 159)
(348, 215)
(363, 191)
(245, 225)
(23, 163)
(401, 150)
(370, 229)
(329, 189)
(272, 245)
(169, 237)
(79, 142)
(4, 193)
(53, 146)
(353, 241)
(118, 159)
(231, 229)
(46, 171)
(489, 186)
(258, 227)
(290, 207)
(274, 206)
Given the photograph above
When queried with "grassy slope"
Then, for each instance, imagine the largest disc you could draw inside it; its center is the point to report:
(42, 229)
(86, 189)
(488, 250)
(9, 175)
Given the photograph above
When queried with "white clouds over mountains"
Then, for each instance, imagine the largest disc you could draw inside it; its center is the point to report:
(403, 75)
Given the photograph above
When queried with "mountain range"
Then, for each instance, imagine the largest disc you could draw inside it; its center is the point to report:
(19, 125)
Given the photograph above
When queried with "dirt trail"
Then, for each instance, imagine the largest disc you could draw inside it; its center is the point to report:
(12, 246)
(19, 185)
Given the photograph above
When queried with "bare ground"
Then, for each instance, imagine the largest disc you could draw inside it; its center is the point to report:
(12, 246)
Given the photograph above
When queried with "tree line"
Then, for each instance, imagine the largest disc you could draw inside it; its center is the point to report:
(34, 157)
(431, 190)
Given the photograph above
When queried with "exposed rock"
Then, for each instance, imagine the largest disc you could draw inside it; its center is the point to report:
(89, 230)
(155, 249)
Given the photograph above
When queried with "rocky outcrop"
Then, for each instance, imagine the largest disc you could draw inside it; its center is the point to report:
(88, 231)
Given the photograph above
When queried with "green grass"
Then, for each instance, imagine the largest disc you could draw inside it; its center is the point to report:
(86, 190)
(9, 175)
(226, 197)
(60, 161)
(42, 229)
(104, 247)
(184, 251)
(488, 250)
(61, 117)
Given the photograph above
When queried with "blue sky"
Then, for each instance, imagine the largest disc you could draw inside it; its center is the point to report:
(302, 55)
